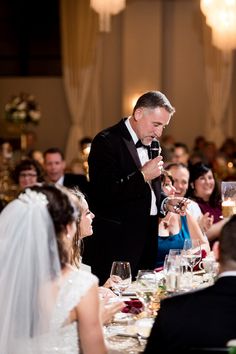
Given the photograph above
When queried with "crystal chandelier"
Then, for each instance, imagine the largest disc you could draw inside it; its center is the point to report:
(105, 9)
(221, 17)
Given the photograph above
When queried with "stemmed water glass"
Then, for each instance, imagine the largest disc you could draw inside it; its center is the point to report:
(192, 254)
(120, 276)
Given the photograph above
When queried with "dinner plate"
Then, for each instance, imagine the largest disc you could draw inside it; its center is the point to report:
(121, 317)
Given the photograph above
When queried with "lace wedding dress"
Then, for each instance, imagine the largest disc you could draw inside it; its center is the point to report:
(63, 339)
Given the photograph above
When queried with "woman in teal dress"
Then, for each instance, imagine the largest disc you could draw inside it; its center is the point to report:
(174, 229)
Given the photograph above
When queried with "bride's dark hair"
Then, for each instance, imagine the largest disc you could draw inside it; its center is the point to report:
(62, 213)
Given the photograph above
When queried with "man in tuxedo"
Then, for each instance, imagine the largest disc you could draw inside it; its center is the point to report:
(54, 166)
(203, 318)
(126, 194)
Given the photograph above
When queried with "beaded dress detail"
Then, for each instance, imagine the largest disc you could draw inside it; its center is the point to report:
(63, 339)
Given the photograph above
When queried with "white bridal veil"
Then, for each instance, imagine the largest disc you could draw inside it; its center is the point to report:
(29, 266)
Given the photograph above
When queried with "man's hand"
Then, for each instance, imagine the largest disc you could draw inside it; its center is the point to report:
(177, 205)
(152, 168)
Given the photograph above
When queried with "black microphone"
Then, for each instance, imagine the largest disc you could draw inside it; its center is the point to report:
(155, 149)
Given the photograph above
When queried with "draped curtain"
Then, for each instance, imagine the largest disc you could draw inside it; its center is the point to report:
(218, 75)
(81, 68)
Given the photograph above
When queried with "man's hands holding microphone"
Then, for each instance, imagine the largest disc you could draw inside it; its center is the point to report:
(152, 168)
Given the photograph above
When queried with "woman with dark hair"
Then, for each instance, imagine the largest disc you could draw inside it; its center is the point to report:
(204, 189)
(27, 173)
(47, 305)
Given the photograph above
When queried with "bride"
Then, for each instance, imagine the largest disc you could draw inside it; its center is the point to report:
(46, 306)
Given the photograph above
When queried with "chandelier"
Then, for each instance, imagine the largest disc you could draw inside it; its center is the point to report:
(221, 17)
(106, 8)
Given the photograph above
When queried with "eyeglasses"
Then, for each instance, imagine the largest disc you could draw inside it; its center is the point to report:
(24, 175)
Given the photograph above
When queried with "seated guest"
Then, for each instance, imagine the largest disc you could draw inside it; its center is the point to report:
(85, 229)
(27, 173)
(174, 229)
(204, 190)
(204, 317)
(55, 165)
(181, 153)
(37, 155)
(79, 164)
(180, 175)
(50, 306)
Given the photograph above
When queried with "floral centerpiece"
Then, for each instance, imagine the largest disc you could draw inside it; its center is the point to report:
(23, 109)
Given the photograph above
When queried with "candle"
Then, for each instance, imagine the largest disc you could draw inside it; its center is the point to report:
(228, 208)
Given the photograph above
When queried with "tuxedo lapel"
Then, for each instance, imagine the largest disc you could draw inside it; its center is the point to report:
(156, 184)
(129, 143)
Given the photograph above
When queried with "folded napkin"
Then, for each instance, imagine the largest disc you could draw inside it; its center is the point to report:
(204, 254)
(159, 269)
(133, 306)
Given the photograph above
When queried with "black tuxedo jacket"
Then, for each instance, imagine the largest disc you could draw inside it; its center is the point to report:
(72, 180)
(121, 201)
(203, 318)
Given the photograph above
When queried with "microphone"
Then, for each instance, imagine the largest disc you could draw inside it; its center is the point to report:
(155, 148)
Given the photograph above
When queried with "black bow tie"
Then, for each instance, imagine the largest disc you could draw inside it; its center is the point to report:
(140, 144)
(148, 147)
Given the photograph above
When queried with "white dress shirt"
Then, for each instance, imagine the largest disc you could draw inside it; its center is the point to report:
(143, 157)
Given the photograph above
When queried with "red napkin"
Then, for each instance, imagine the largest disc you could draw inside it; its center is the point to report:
(197, 265)
(133, 306)
(159, 269)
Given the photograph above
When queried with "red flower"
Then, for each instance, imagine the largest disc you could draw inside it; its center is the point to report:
(133, 306)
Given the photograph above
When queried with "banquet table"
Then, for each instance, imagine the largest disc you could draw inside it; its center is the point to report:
(127, 333)
(127, 336)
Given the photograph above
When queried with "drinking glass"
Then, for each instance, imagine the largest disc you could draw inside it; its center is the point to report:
(174, 252)
(173, 270)
(120, 276)
(147, 285)
(192, 254)
(228, 191)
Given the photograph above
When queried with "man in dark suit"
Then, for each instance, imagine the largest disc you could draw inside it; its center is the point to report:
(202, 318)
(125, 187)
(54, 166)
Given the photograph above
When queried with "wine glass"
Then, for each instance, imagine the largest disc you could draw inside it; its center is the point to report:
(147, 284)
(192, 253)
(120, 276)
(174, 252)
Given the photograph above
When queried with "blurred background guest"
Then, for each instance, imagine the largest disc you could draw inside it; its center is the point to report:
(79, 164)
(27, 173)
(37, 155)
(180, 153)
(55, 167)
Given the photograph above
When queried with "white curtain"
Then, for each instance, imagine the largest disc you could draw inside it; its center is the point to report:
(218, 75)
(81, 68)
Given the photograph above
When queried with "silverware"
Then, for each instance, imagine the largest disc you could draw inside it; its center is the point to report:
(137, 336)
